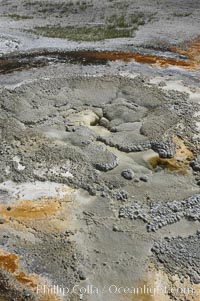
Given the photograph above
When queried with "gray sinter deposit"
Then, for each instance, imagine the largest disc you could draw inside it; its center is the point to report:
(99, 157)
(176, 256)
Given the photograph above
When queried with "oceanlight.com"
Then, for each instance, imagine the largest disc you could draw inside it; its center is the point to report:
(112, 289)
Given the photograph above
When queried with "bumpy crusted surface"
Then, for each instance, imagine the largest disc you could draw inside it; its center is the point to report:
(176, 256)
(128, 174)
(124, 145)
(100, 157)
(158, 215)
(165, 149)
(195, 164)
(11, 289)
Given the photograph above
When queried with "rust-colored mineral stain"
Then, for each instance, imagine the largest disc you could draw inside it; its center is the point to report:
(139, 58)
(170, 164)
(31, 209)
(9, 262)
(192, 50)
(183, 151)
(191, 61)
(179, 162)
(27, 279)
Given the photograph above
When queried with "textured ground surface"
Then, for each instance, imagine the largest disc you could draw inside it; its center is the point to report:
(99, 150)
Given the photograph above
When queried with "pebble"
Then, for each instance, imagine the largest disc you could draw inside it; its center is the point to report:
(81, 275)
(104, 122)
(128, 174)
(116, 229)
(69, 232)
(195, 164)
(144, 178)
(121, 196)
(2, 220)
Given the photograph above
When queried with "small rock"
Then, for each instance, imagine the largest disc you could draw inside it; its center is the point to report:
(144, 178)
(6, 236)
(115, 228)
(195, 164)
(81, 275)
(121, 196)
(128, 174)
(17, 165)
(69, 232)
(104, 122)
(158, 169)
(162, 84)
(92, 191)
(98, 112)
(2, 220)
